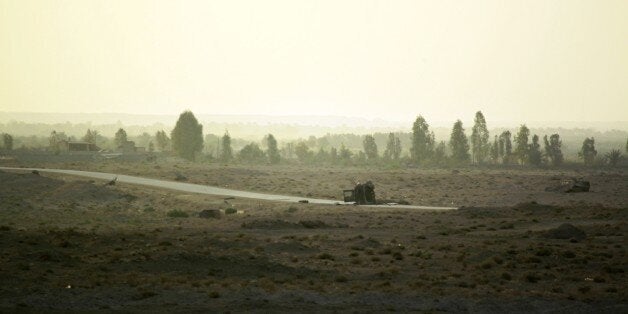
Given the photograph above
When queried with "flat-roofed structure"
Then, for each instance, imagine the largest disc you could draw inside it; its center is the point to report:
(77, 146)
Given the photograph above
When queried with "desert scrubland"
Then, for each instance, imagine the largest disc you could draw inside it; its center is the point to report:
(75, 244)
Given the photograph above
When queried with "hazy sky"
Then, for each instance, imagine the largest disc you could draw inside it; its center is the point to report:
(533, 60)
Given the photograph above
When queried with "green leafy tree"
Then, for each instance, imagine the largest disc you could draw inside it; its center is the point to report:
(521, 142)
(322, 142)
(396, 154)
(54, 140)
(272, 151)
(370, 147)
(333, 154)
(311, 141)
(534, 151)
(344, 153)
(252, 153)
(553, 149)
(226, 153)
(90, 136)
(440, 154)
(393, 147)
(505, 147)
(187, 136)
(479, 138)
(422, 141)
(163, 141)
(322, 155)
(431, 144)
(287, 151)
(211, 145)
(588, 152)
(360, 158)
(494, 151)
(7, 140)
(459, 144)
(120, 137)
(303, 152)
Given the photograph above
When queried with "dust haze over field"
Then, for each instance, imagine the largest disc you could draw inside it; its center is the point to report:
(329, 156)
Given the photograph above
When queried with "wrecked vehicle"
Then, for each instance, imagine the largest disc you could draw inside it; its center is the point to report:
(362, 194)
(570, 186)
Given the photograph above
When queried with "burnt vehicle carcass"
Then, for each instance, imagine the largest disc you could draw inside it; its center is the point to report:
(362, 194)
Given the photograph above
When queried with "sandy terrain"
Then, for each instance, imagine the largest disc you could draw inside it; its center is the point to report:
(74, 244)
(430, 187)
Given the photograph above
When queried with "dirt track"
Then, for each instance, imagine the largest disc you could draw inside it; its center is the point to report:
(210, 190)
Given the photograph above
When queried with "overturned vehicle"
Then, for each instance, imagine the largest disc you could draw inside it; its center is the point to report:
(362, 194)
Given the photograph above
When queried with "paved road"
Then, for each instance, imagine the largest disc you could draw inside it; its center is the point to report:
(210, 190)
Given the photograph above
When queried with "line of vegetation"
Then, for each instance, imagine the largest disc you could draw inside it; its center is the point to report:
(421, 148)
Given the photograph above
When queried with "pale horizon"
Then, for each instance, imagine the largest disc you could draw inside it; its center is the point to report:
(515, 61)
(331, 122)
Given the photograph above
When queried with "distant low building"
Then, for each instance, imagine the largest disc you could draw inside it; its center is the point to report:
(129, 147)
(76, 146)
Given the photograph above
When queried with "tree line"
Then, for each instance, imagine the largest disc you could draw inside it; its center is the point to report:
(523, 148)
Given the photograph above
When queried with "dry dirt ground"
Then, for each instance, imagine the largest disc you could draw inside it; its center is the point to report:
(69, 244)
(435, 187)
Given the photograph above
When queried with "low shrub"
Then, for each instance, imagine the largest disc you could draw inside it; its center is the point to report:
(176, 213)
(326, 256)
(230, 211)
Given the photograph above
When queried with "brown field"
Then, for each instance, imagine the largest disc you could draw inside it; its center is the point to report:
(73, 244)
